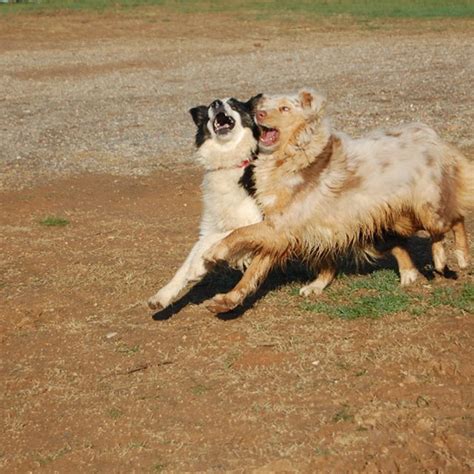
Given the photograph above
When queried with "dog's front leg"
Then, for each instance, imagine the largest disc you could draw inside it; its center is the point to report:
(192, 270)
(249, 283)
(241, 241)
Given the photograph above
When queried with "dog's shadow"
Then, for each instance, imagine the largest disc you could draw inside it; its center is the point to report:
(419, 249)
(223, 279)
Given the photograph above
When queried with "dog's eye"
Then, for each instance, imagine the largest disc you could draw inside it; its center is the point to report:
(284, 108)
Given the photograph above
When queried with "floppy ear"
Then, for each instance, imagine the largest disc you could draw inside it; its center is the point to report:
(199, 114)
(311, 100)
(251, 104)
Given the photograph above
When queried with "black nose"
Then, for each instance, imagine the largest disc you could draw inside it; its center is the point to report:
(216, 104)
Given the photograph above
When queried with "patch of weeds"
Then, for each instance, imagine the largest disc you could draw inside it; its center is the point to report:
(422, 402)
(230, 359)
(319, 451)
(371, 296)
(199, 389)
(114, 413)
(263, 10)
(460, 298)
(124, 349)
(159, 467)
(360, 373)
(418, 307)
(261, 407)
(380, 293)
(53, 221)
(294, 291)
(381, 280)
(138, 445)
(369, 306)
(343, 414)
(48, 458)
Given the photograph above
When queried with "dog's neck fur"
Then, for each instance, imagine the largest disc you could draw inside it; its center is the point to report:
(281, 174)
(215, 156)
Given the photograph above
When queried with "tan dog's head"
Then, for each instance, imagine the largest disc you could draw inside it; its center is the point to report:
(281, 117)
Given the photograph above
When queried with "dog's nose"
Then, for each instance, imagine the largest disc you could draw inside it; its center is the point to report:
(261, 114)
(216, 104)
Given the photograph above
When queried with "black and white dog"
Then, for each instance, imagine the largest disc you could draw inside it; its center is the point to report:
(227, 142)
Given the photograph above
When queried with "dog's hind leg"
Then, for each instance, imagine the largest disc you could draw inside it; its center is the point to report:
(461, 243)
(326, 275)
(249, 283)
(406, 267)
(192, 270)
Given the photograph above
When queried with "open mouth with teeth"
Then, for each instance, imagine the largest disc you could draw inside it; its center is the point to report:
(223, 123)
(268, 136)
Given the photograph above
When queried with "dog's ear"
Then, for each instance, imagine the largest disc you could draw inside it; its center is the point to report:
(311, 100)
(251, 104)
(199, 114)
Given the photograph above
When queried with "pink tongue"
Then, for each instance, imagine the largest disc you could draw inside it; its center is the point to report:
(269, 137)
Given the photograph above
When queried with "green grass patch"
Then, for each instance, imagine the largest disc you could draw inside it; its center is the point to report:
(199, 389)
(53, 221)
(371, 296)
(264, 9)
(127, 350)
(114, 413)
(380, 293)
(461, 298)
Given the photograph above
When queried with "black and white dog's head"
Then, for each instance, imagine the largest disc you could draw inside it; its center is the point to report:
(227, 137)
(224, 121)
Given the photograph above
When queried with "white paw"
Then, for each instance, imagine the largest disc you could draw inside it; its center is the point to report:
(161, 300)
(407, 277)
(463, 262)
(310, 290)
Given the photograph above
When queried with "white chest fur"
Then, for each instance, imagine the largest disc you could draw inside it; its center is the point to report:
(227, 205)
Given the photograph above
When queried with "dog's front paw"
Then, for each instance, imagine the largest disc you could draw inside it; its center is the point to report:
(224, 302)
(311, 290)
(160, 300)
(217, 253)
(407, 277)
(462, 258)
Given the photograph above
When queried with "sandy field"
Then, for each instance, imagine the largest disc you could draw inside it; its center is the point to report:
(95, 129)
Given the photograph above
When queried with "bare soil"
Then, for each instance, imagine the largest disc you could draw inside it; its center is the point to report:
(95, 130)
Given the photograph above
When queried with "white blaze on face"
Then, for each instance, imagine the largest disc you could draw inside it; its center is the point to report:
(235, 134)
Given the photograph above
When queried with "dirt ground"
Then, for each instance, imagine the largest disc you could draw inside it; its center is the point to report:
(95, 130)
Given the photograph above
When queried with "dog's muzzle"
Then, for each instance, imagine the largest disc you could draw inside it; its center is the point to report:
(222, 122)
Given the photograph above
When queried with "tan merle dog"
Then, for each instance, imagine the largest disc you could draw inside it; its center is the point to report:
(324, 194)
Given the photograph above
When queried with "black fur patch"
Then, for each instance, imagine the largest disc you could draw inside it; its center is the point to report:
(246, 111)
(247, 180)
(200, 117)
